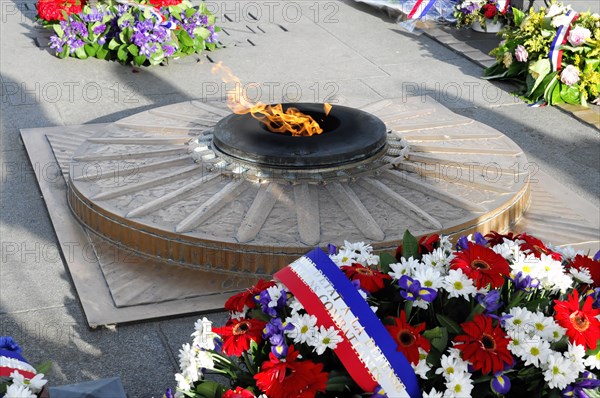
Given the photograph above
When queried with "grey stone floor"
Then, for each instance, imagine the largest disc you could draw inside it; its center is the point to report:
(336, 50)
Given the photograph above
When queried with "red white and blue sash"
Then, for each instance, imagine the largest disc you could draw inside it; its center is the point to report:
(11, 361)
(367, 350)
(420, 9)
(560, 39)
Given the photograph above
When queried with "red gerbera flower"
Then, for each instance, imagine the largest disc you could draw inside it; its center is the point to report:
(52, 10)
(495, 238)
(371, 280)
(289, 377)
(484, 345)
(536, 247)
(489, 10)
(582, 326)
(409, 338)
(482, 265)
(580, 262)
(237, 335)
(426, 245)
(239, 392)
(237, 302)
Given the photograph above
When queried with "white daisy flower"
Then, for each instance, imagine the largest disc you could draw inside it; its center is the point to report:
(183, 384)
(519, 322)
(535, 351)
(304, 327)
(459, 386)
(575, 354)
(508, 249)
(543, 326)
(516, 346)
(438, 259)
(19, 391)
(558, 373)
(582, 275)
(344, 257)
(358, 247)
(404, 267)
(294, 305)
(445, 243)
(188, 363)
(567, 252)
(527, 264)
(451, 365)
(593, 361)
(35, 384)
(429, 277)
(204, 337)
(433, 394)
(457, 284)
(422, 367)
(325, 338)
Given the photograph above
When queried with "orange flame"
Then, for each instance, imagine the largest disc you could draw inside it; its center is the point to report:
(273, 116)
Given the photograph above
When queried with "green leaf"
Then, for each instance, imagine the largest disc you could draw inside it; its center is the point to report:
(139, 60)
(591, 65)
(410, 246)
(518, 16)
(112, 44)
(408, 305)
(539, 91)
(185, 39)
(190, 11)
(102, 53)
(122, 53)
(556, 98)
(449, 324)
(385, 260)
(134, 50)
(438, 337)
(58, 30)
(64, 53)
(90, 49)
(570, 93)
(337, 381)
(539, 70)
(550, 89)
(44, 367)
(203, 33)
(256, 313)
(80, 53)
(210, 389)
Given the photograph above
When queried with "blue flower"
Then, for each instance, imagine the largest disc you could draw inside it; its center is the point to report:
(279, 347)
(525, 283)
(491, 301)
(500, 383)
(412, 290)
(7, 343)
(332, 250)
(587, 382)
(168, 393)
(463, 242)
(275, 327)
(597, 256)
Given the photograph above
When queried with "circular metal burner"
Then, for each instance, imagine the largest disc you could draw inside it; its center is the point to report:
(349, 136)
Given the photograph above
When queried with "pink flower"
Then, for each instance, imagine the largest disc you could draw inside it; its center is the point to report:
(569, 75)
(578, 36)
(521, 53)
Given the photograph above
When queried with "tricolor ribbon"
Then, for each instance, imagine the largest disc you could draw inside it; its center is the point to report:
(419, 10)
(11, 361)
(560, 39)
(502, 6)
(367, 350)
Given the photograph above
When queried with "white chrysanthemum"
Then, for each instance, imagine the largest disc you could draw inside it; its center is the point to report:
(191, 361)
(404, 267)
(438, 259)
(294, 305)
(457, 284)
(204, 337)
(527, 264)
(19, 391)
(183, 383)
(451, 365)
(445, 243)
(593, 361)
(575, 354)
(429, 277)
(238, 316)
(567, 252)
(558, 373)
(422, 367)
(433, 394)
(582, 275)
(515, 346)
(543, 326)
(304, 327)
(459, 386)
(554, 10)
(508, 249)
(344, 257)
(35, 384)
(358, 247)
(518, 324)
(558, 281)
(324, 339)
(535, 351)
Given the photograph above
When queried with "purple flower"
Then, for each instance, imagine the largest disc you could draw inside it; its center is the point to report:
(276, 326)
(587, 382)
(168, 393)
(7, 343)
(99, 29)
(378, 392)
(597, 256)
(412, 290)
(525, 283)
(500, 383)
(57, 43)
(94, 15)
(168, 50)
(463, 242)
(491, 301)
(101, 40)
(270, 306)
(332, 250)
(279, 347)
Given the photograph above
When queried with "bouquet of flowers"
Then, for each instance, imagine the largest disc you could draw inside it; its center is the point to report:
(18, 379)
(468, 12)
(496, 315)
(130, 32)
(553, 54)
